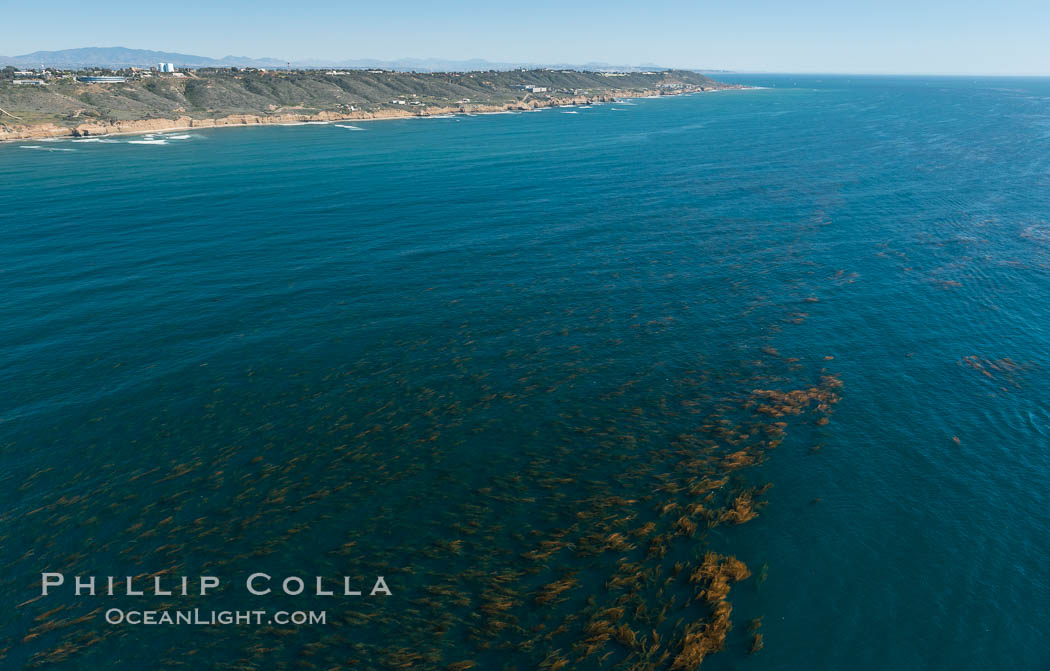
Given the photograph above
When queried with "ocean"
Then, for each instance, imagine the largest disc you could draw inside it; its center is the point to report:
(656, 383)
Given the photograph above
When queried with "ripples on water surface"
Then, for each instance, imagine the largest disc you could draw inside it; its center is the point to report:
(538, 371)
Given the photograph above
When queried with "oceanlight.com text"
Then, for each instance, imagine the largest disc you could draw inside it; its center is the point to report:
(197, 616)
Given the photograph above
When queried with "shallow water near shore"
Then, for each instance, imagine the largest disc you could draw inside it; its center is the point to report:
(537, 371)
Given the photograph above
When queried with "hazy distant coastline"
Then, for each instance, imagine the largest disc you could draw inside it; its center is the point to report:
(122, 57)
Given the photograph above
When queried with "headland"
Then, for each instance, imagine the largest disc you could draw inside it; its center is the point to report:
(57, 103)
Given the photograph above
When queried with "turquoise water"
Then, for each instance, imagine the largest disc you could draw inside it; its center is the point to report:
(484, 355)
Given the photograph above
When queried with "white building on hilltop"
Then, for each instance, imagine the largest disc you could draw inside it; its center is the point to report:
(166, 67)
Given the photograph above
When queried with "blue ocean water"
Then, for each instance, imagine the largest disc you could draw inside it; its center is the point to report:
(485, 356)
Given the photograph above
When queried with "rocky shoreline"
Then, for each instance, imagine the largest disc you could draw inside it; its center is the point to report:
(50, 130)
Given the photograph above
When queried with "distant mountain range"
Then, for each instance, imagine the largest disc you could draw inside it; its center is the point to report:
(122, 57)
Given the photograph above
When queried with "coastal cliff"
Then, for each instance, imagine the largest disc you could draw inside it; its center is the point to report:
(221, 99)
(37, 131)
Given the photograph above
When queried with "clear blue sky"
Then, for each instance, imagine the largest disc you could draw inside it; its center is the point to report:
(895, 36)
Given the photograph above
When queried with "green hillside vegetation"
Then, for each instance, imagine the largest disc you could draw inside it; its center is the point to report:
(217, 92)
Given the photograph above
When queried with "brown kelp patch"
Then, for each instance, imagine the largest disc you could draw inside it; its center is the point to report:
(1003, 370)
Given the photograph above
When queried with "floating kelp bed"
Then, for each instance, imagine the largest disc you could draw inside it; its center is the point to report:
(581, 542)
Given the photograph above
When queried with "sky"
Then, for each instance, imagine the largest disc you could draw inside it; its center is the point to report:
(849, 36)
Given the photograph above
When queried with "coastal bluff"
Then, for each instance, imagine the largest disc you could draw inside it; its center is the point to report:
(24, 132)
(65, 106)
